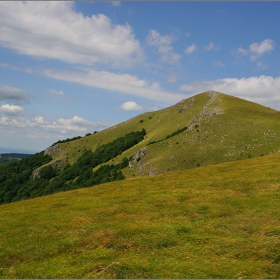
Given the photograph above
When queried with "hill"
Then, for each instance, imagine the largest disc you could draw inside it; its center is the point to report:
(9, 157)
(219, 128)
(218, 221)
(208, 128)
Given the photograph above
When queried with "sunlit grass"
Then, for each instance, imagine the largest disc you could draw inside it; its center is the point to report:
(220, 221)
(241, 130)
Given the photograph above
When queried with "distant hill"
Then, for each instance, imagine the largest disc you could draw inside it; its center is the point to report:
(10, 157)
(6, 150)
(209, 128)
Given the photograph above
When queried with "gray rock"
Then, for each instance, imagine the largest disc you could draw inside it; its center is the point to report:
(52, 150)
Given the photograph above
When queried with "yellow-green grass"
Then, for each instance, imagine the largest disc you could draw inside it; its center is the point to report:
(219, 221)
(238, 130)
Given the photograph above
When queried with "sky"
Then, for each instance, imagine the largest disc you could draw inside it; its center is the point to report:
(72, 68)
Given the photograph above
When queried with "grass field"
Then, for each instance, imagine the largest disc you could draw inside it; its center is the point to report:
(219, 221)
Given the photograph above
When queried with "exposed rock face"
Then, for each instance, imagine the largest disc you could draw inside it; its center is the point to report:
(138, 157)
(36, 175)
(140, 154)
(52, 150)
(186, 107)
(209, 110)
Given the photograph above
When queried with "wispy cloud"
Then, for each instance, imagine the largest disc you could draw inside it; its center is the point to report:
(164, 45)
(190, 49)
(54, 29)
(219, 64)
(211, 47)
(257, 49)
(123, 83)
(56, 92)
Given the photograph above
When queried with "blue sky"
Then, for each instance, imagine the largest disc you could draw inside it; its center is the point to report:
(72, 68)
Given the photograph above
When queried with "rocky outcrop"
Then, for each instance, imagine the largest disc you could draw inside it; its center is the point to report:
(52, 150)
(57, 164)
(36, 174)
(138, 157)
(209, 110)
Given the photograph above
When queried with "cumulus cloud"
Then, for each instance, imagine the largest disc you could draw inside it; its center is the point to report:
(39, 119)
(263, 89)
(12, 110)
(124, 83)
(13, 94)
(163, 44)
(190, 49)
(257, 49)
(40, 126)
(54, 29)
(131, 106)
(211, 47)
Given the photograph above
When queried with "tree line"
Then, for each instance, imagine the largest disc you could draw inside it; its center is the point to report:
(16, 182)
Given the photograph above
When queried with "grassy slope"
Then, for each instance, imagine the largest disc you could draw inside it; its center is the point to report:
(219, 221)
(228, 129)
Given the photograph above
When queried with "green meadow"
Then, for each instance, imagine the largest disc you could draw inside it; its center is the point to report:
(218, 221)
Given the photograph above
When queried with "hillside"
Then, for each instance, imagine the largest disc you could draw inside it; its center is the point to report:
(219, 221)
(220, 128)
(208, 128)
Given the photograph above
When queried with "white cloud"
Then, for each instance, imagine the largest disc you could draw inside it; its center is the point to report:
(163, 44)
(116, 3)
(131, 106)
(242, 51)
(11, 110)
(49, 128)
(124, 83)
(263, 89)
(262, 65)
(257, 49)
(60, 92)
(8, 93)
(172, 79)
(190, 49)
(219, 64)
(39, 119)
(54, 29)
(211, 47)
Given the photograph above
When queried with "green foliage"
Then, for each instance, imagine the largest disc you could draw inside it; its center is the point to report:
(15, 177)
(170, 135)
(47, 172)
(67, 140)
(176, 132)
(16, 182)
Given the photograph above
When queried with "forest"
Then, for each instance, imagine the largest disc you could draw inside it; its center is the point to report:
(17, 182)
